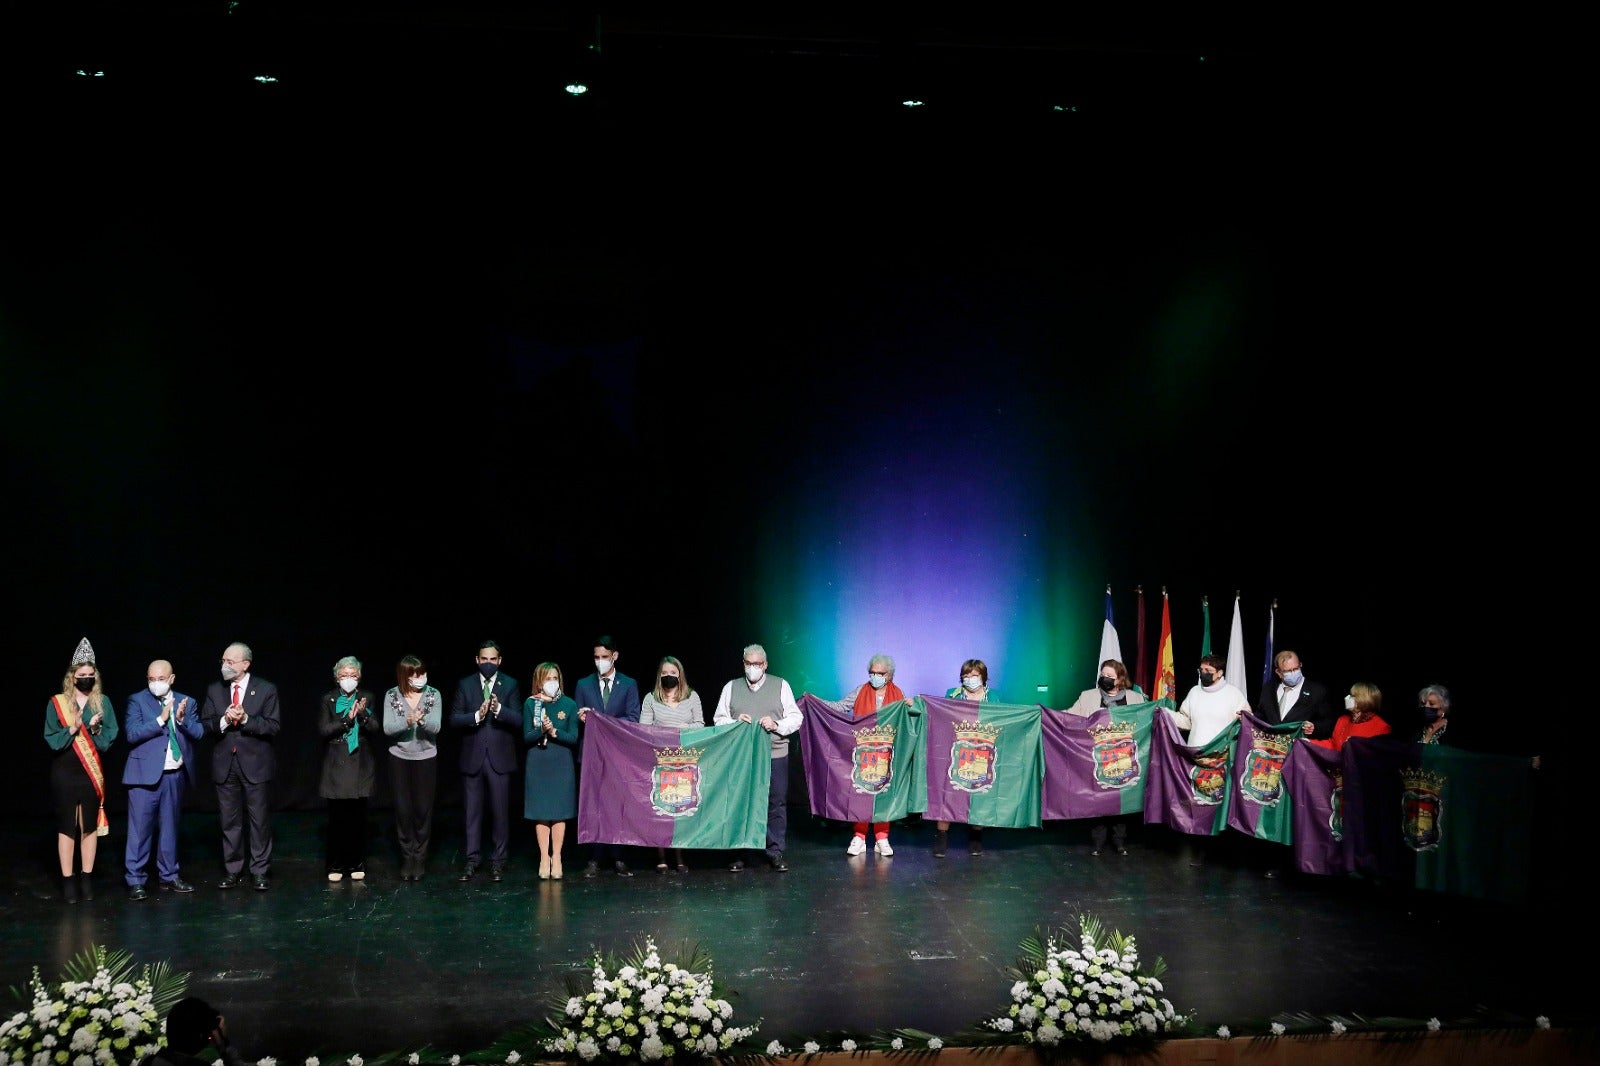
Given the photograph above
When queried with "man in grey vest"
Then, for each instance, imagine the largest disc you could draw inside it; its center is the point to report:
(767, 701)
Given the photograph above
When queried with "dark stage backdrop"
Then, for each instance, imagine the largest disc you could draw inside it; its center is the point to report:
(348, 373)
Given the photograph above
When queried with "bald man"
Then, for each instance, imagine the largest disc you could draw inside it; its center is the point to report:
(162, 727)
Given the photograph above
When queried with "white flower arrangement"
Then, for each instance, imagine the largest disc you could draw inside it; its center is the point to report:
(102, 1012)
(1083, 986)
(644, 1009)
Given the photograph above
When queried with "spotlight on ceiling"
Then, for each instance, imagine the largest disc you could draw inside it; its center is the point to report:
(577, 88)
(910, 103)
(265, 79)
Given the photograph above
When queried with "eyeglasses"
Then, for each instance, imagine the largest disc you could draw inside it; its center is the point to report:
(878, 673)
(747, 662)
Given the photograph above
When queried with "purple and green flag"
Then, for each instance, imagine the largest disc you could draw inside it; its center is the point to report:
(1096, 766)
(655, 786)
(867, 769)
(985, 763)
(1314, 776)
(1439, 818)
(1263, 805)
(1188, 787)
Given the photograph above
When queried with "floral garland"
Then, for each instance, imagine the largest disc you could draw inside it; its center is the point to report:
(1065, 1001)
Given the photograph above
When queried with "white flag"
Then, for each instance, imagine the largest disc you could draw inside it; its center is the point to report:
(1110, 646)
(1235, 667)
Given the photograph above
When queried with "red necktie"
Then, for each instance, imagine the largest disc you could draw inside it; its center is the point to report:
(236, 693)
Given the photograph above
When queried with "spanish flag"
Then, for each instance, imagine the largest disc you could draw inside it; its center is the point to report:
(1166, 677)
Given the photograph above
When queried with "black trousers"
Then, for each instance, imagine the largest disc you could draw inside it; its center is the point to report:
(347, 834)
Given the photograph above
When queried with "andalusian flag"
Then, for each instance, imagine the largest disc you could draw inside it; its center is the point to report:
(1166, 677)
(985, 762)
(1263, 806)
(658, 787)
(1096, 765)
(867, 769)
(1439, 818)
(1188, 787)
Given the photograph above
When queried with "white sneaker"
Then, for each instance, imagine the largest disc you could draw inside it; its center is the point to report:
(335, 875)
(883, 847)
(358, 875)
(858, 845)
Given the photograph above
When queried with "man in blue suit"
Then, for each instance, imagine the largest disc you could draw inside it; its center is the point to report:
(487, 707)
(161, 726)
(610, 692)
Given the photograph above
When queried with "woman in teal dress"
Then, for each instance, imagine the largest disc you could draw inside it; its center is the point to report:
(550, 784)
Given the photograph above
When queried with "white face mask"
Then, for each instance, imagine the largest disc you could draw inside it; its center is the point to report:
(160, 688)
(551, 687)
(877, 680)
(971, 684)
(754, 673)
(420, 682)
(603, 666)
(1349, 703)
(228, 672)
(348, 684)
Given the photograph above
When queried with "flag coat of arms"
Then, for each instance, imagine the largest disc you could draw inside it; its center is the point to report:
(1439, 818)
(985, 763)
(867, 769)
(1188, 789)
(1096, 766)
(1263, 805)
(660, 787)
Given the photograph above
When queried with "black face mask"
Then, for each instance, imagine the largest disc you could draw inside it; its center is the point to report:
(1107, 684)
(1207, 680)
(1431, 714)
(83, 684)
(669, 683)
(488, 669)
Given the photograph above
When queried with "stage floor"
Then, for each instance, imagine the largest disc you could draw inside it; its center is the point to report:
(837, 943)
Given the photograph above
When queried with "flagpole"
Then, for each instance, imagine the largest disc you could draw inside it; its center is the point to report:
(1141, 668)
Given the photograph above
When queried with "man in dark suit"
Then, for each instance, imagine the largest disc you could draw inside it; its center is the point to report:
(1295, 698)
(241, 711)
(161, 726)
(608, 692)
(487, 707)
